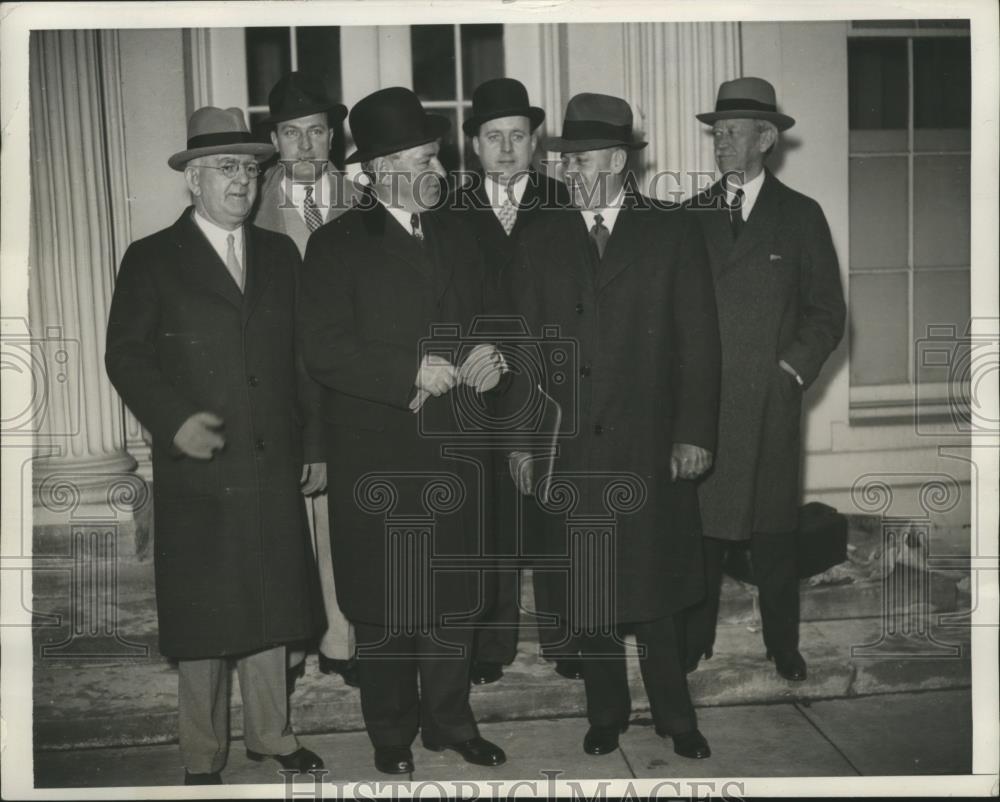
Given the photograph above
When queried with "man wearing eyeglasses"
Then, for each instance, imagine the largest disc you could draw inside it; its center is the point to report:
(202, 347)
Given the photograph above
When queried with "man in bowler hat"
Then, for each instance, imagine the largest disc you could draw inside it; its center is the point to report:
(377, 281)
(201, 346)
(781, 314)
(628, 281)
(300, 193)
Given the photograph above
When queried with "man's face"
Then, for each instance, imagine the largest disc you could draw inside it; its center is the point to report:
(225, 201)
(415, 184)
(505, 147)
(593, 176)
(739, 146)
(304, 143)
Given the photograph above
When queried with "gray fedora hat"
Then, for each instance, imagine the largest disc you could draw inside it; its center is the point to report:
(747, 98)
(594, 122)
(214, 130)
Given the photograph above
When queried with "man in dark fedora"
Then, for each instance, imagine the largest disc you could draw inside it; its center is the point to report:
(501, 202)
(781, 314)
(300, 193)
(201, 345)
(377, 281)
(628, 281)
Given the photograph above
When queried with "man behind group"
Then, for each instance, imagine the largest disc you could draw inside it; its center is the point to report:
(201, 345)
(300, 193)
(781, 314)
(630, 285)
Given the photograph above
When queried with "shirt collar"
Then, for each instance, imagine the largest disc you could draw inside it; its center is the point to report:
(608, 215)
(401, 215)
(496, 193)
(218, 236)
(751, 189)
(321, 192)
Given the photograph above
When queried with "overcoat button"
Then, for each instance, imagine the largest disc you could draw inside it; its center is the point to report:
(598, 429)
(260, 444)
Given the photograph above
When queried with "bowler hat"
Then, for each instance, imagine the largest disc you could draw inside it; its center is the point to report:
(594, 122)
(501, 97)
(747, 98)
(214, 130)
(391, 120)
(299, 94)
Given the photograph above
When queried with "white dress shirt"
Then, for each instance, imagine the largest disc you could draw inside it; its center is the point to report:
(402, 217)
(497, 194)
(608, 215)
(217, 237)
(751, 189)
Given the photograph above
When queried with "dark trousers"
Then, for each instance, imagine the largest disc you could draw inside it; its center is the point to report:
(773, 558)
(606, 680)
(393, 707)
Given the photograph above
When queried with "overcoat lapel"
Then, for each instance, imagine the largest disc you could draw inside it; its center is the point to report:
(199, 259)
(440, 253)
(257, 271)
(584, 262)
(624, 246)
(382, 227)
(759, 226)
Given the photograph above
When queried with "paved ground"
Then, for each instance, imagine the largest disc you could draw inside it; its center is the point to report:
(895, 734)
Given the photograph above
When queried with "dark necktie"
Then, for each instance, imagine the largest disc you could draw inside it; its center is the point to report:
(600, 235)
(736, 214)
(418, 232)
(314, 218)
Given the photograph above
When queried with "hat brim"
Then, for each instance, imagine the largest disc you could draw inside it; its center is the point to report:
(781, 121)
(336, 110)
(534, 114)
(559, 145)
(259, 150)
(435, 126)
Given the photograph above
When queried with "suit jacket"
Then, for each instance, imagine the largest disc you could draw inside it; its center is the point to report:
(634, 365)
(234, 567)
(779, 295)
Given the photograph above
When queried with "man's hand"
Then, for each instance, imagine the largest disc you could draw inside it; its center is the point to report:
(200, 436)
(436, 376)
(313, 479)
(688, 462)
(522, 471)
(482, 368)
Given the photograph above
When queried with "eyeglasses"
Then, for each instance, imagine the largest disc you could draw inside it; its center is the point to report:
(232, 169)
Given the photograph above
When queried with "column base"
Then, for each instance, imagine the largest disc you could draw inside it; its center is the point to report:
(72, 490)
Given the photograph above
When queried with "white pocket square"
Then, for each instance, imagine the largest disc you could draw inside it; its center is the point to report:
(775, 257)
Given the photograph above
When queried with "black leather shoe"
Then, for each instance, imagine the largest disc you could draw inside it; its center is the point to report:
(485, 673)
(691, 744)
(477, 751)
(210, 778)
(348, 669)
(292, 675)
(602, 740)
(789, 664)
(394, 759)
(300, 760)
(570, 667)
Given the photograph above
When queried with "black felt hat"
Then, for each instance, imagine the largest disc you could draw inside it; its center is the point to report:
(501, 97)
(391, 120)
(298, 94)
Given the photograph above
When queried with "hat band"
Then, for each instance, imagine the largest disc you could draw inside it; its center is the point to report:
(224, 138)
(596, 129)
(743, 104)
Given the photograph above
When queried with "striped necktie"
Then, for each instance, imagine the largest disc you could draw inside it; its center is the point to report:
(314, 217)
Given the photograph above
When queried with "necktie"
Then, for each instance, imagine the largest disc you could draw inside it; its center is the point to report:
(600, 235)
(418, 232)
(232, 263)
(508, 216)
(736, 214)
(314, 217)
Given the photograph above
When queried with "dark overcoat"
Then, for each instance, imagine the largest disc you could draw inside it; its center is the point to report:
(404, 514)
(234, 568)
(642, 323)
(779, 295)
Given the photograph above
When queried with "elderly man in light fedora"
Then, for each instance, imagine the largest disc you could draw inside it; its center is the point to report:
(201, 346)
(781, 314)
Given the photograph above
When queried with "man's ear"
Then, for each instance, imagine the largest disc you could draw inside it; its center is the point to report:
(618, 160)
(274, 138)
(767, 139)
(475, 145)
(193, 180)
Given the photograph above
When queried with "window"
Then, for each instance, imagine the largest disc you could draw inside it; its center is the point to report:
(909, 119)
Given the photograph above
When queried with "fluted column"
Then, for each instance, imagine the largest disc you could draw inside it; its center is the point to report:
(78, 233)
(672, 72)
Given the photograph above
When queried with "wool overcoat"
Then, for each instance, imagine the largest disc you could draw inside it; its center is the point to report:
(780, 298)
(234, 568)
(636, 371)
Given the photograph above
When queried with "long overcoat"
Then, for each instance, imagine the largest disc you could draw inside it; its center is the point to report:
(779, 296)
(233, 564)
(409, 517)
(638, 372)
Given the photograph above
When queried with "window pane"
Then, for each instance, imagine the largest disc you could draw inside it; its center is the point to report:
(878, 212)
(319, 55)
(879, 141)
(472, 162)
(433, 53)
(482, 55)
(268, 58)
(940, 299)
(884, 23)
(941, 83)
(941, 214)
(877, 85)
(879, 328)
(448, 155)
(943, 23)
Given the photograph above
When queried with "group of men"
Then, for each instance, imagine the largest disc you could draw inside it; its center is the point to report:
(281, 350)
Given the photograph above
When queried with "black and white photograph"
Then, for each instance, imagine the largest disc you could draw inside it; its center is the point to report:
(488, 398)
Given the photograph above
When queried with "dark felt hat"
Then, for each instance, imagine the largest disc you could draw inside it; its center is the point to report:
(593, 122)
(748, 99)
(391, 120)
(299, 94)
(501, 97)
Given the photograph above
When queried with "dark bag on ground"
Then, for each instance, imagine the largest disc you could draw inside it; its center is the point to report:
(820, 544)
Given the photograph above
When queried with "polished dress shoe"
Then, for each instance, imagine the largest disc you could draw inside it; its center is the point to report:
(300, 760)
(292, 675)
(477, 751)
(689, 744)
(570, 667)
(789, 664)
(602, 740)
(394, 759)
(348, 669)
(485, 673)
(209, 778)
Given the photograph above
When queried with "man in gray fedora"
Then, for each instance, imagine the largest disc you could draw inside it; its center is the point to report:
(201, 346)
(781, 314)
